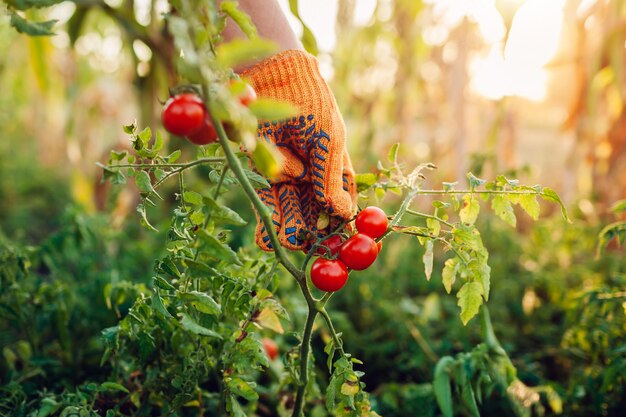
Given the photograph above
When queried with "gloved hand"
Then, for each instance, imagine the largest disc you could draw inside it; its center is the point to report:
(317, 174)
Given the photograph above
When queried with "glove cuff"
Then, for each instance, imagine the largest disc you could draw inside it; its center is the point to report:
(291, 76)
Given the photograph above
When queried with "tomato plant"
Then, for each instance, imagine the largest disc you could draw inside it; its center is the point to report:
(183, 115)
(329, 274)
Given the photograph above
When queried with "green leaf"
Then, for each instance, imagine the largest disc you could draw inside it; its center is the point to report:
(611, 231)
(448, 275)
(193, 326)
(143, 182)
(308, 39)
(202, 302)
(530, 205)
(222, 213)
(257, 181)
(269, 109)
(428, 259)
(470, 298)
(242, 388)
(365, 181)
(470, 210)
(434, 226)
(173, 157)
(157, 305)
(441, 385)
(392, 155)
(503, 209)
(141, 209)
(192, 197)
(240, 18)
(242, 51)
(619, 207)
(32, 28)
(474, 181)
(113, 386)
(235, 408)
(267, 160)
(216, 249)
(549, 194)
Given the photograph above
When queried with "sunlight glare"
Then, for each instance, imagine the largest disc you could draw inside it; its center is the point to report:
(519, 69)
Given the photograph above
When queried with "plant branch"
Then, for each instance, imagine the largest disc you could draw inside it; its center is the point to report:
(180, 165)
(428, 216)
(331, 329)
(305, 348)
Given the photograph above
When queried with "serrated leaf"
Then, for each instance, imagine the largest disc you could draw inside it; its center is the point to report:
(113, 386)
(529, 203)
(242, 388)
(503, 209)
(143, 182)
(551, 195)
(32, 28)
(470, 298)
(441, 385)
(173, 157)
(268, 109)
(216, 249)
(202, 302)
(189, 324)
(365, 181)
(469, 213)
(268, 319)
(222, 213)
(448, 275)
(258, 182)
(428, 259)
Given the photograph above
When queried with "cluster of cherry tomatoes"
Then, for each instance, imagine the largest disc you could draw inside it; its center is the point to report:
(185, 115)
(358, 252)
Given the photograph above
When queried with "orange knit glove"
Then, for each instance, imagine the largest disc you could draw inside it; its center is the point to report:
(317, 174)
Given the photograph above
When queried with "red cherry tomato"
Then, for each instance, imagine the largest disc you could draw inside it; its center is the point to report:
(270, 347)
(183, 114)
(207, 134)
(329, 274)
(371, 221)
(244, 91)
(359, 252)
(333, 244)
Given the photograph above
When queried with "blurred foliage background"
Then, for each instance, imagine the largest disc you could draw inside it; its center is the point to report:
(532, 89)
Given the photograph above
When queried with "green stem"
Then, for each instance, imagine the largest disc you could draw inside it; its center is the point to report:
(305, 348)
(181, 165)
(428, 216)
(331, 329)
(439, 192)
(185, 167)
(264, 212)
(486, 330)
